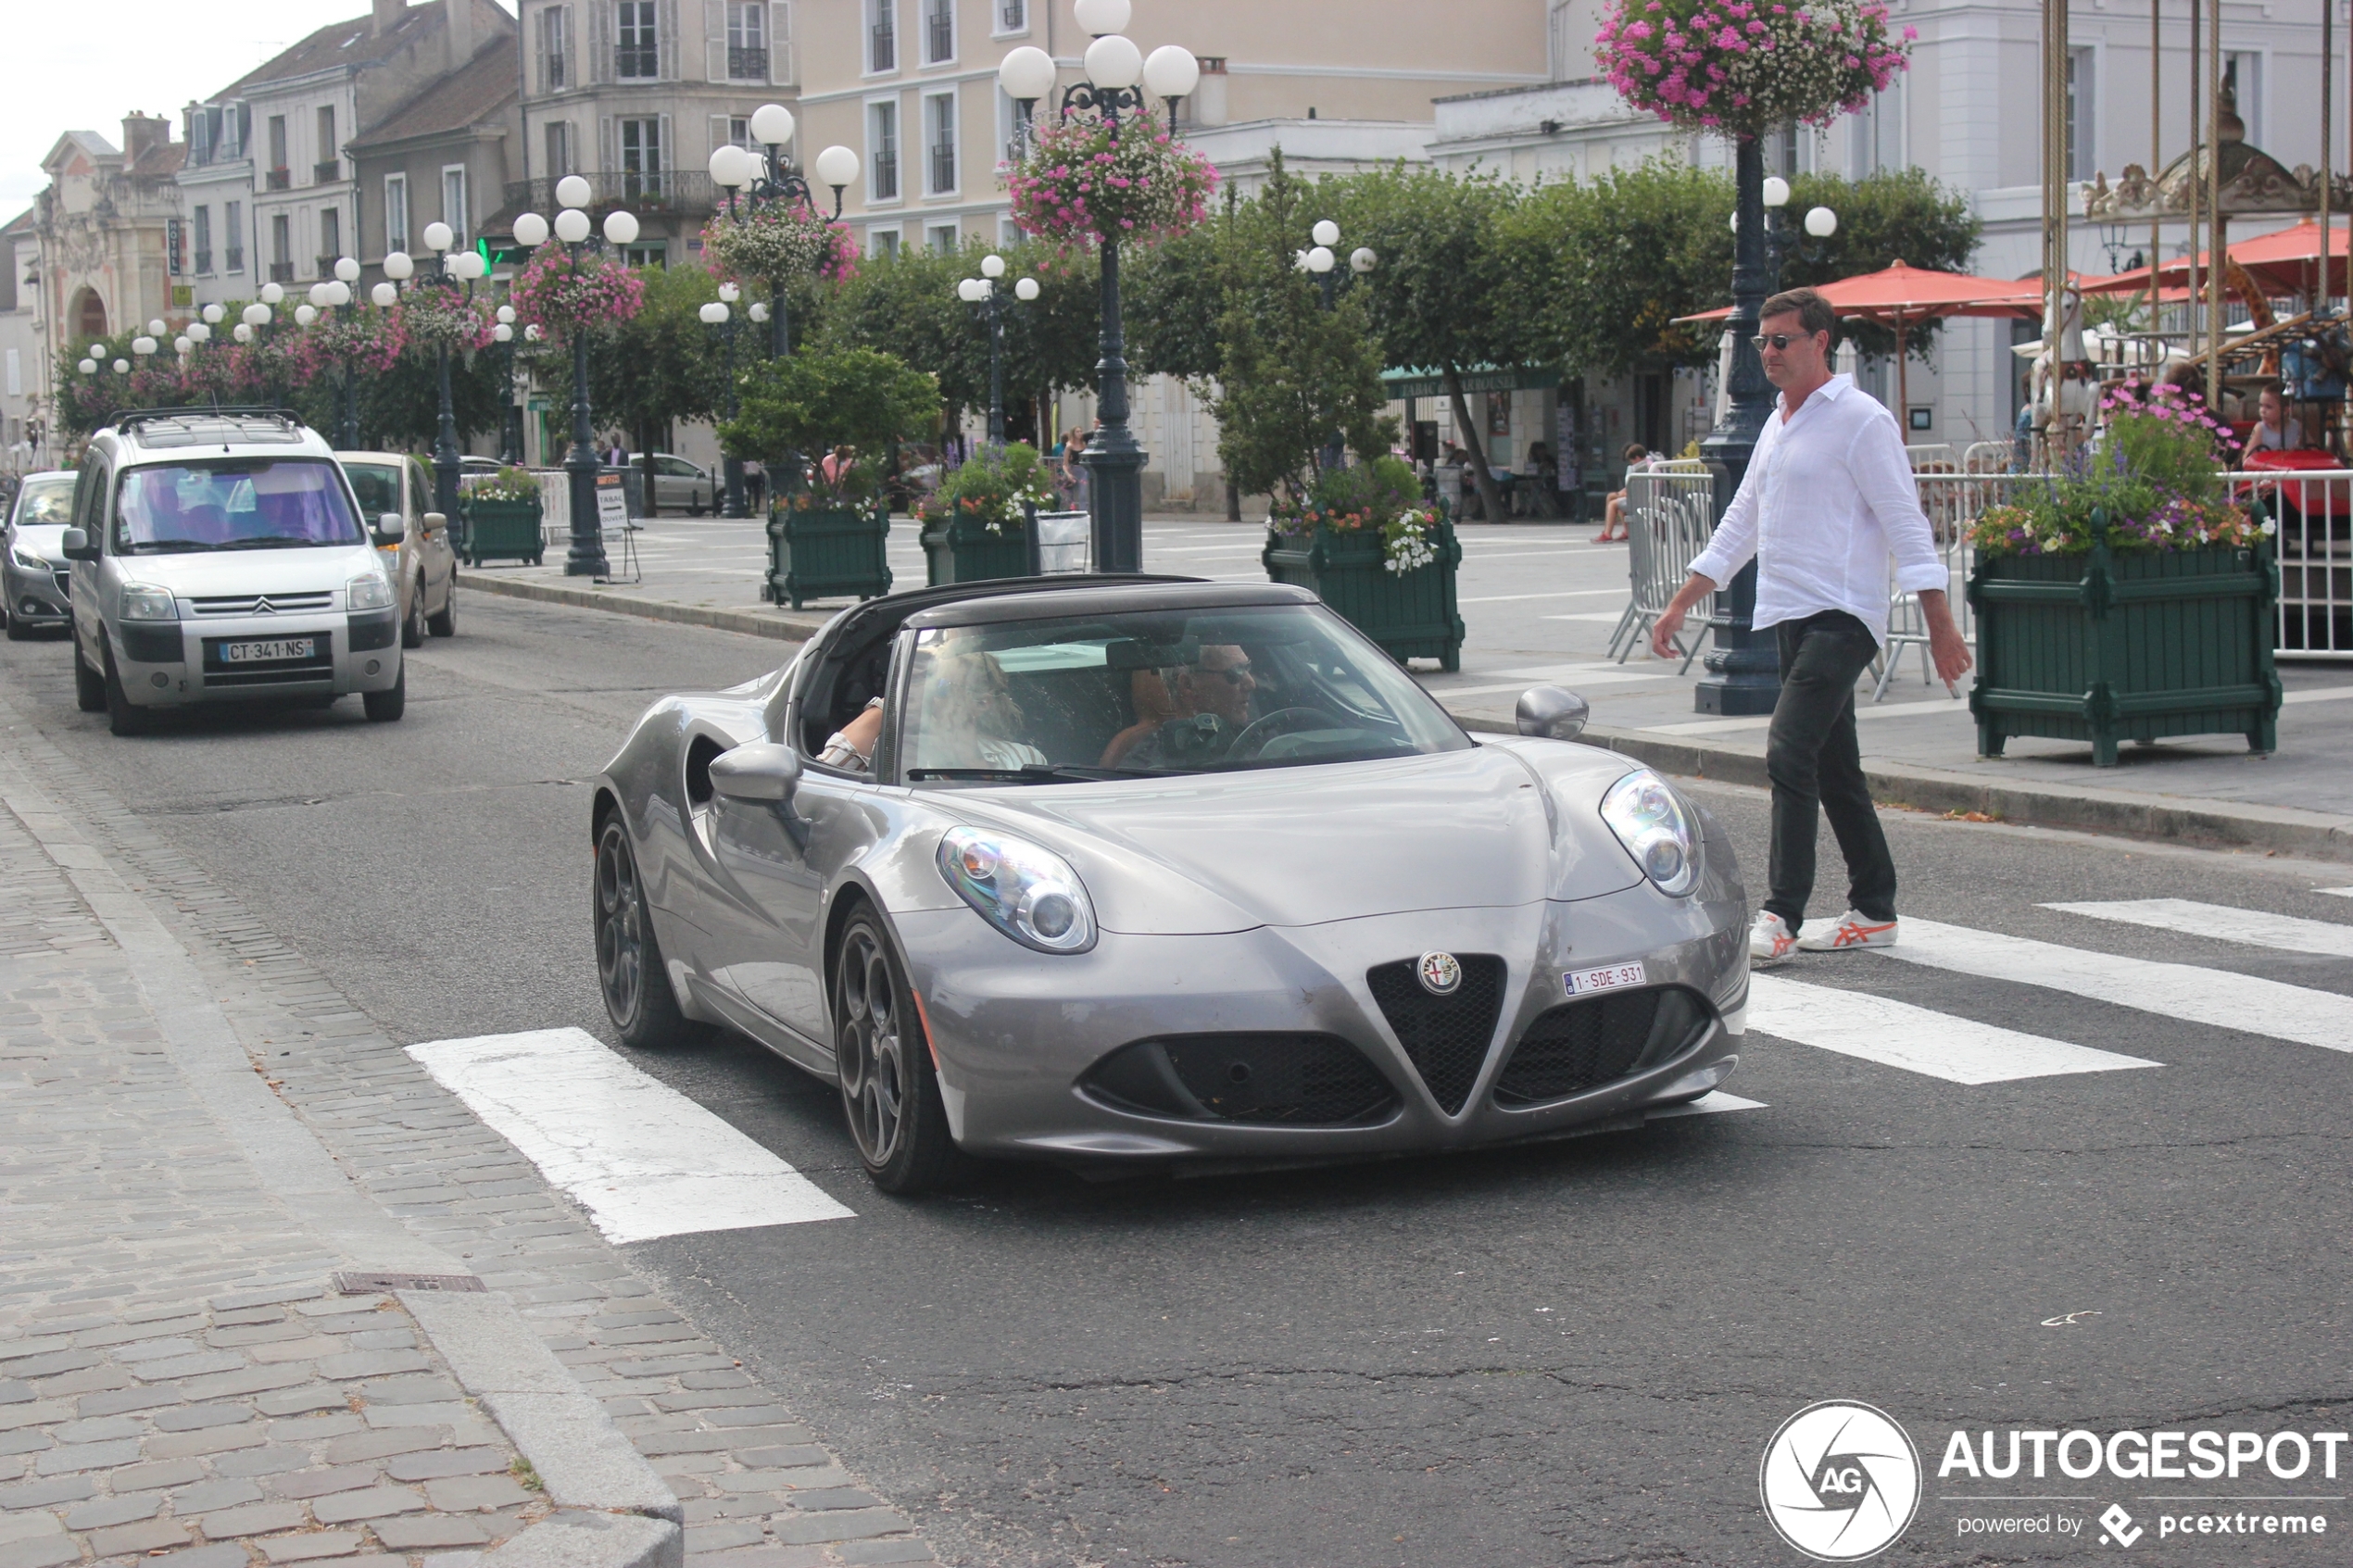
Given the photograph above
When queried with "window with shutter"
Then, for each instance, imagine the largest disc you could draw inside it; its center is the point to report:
(780, 44)
(881, 152)
(714, 39)
(748, 41)
(636, 41)
(939, 115)
(672, 57)
(600, 43)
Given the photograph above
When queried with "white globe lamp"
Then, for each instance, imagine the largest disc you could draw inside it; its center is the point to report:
(1170, 71)
(347, 270)
(621, 228)
(1027, 289)
(1099, 17)
(772, 125)
(837, 167)
(531, 231)
(572, 225)
(573, 191)
(386, 295)
(1113, 60)
(1027, 73)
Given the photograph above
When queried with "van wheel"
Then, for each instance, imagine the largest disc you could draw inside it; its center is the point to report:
(384, 707)
(122, 717)
(88, 687)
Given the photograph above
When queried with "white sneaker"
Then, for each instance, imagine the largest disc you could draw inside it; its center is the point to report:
(1769, 939)
(1851, 932)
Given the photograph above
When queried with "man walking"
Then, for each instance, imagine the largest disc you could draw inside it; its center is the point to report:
(1828, 499)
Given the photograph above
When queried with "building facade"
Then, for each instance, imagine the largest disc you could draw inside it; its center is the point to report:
(633, 94)
(111, 243)
(24, 359)
(216, 193)
(446, 155)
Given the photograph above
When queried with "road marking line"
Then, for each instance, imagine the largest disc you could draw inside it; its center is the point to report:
(1574, 594)
(2224, 925)
(1709, 1104)
(642, 1158)
(1596, 616)
(2212, 996)
(1894, 1033)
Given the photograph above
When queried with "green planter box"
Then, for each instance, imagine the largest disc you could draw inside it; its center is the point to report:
(2125, 645)
(826, 552)
(1410, 616)
(959, 551)
(501, 530)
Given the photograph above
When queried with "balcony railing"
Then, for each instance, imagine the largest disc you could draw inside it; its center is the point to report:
(1013, 15)
(941, 28)
(326, 268)
(204, 262)
(886, 47)
(886, 177)
(280, 179)
(747, 63)
(327, 171)
(687, 193)
(943, 171)
(282, 271)
(636, 62)
(234, 261)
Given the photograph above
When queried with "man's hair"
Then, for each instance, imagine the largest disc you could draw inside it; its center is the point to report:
(1813, 312)
(1636, 452)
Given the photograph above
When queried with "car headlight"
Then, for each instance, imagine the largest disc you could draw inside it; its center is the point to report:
(1658, 828)
(1029, 893)
(370, 590)
(29, 562)
(140, 602)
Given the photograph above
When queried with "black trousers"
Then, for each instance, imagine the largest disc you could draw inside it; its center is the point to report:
(1816, 766)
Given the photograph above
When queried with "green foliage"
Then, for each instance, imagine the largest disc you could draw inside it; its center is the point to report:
(400, 408)
(1370, 493)
(992, 488)
(1889, 216)
(1173, 294)
(2153, 482)
(663, 364)
(1294, 370)
(820, 399)
(506, 485)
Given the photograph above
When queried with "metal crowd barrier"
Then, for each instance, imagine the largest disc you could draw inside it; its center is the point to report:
(1670, 511)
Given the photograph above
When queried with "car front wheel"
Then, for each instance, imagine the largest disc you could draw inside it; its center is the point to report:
(384, 707)
(123, 716)
(890, 1089)
(630, 971)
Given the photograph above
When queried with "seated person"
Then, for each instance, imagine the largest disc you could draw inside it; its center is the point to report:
(851, 748)
(1209, 705)
(968, 719)
(1638, 458)
(2275, 431)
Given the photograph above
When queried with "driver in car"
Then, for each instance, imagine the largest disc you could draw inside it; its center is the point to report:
(1208, 706)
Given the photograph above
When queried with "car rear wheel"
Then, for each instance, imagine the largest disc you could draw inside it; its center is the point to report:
(630, 971)
(384, 707)
(446, 623)
(412, 630)
(890, 1089)
(88, 687)
(123, 717)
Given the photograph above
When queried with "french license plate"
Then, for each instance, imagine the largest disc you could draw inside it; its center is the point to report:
(1609, 977)
(272, 652)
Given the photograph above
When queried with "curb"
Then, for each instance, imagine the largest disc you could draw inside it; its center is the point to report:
(2285, 830)
(787, 626)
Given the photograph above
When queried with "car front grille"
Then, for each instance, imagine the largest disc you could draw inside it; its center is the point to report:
(65, 584)
(1445, 1037)
(1583, 1044)
(253, 604)
(1298, 1080)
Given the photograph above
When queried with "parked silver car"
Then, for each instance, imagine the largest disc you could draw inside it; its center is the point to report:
(679, 485)
(220, 556)
(1148, 872)
(424, 564)
(35, 579)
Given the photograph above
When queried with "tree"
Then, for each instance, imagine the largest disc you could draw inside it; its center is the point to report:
(1890, 216)
(1292, 371)
(826, 396)
(1436, 295)
(1175, 295)
(661, 365)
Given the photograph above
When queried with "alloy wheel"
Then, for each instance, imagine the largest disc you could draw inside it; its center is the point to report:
(872, 1049)
(621, 925)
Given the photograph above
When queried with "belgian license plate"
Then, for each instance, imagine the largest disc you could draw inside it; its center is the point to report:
(1609, 977)
(272, 652)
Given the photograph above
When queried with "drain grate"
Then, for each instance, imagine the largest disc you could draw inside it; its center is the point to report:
(353, 1282)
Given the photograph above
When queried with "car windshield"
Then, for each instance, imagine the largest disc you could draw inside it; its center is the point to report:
(378, 487)
(238, 504)
(1159, 692)
(45, 502)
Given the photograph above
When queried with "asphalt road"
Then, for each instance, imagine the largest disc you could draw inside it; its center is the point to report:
(1570, 1353)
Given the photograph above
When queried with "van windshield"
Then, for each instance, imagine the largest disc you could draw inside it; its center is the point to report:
(241, 504)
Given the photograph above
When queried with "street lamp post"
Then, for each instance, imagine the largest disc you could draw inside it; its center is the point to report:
(983, 289)
(1118, 79)
(721, 313)
(586, 557)
(769, 177)
(457, 271)
(1321, 263)
(509, 416)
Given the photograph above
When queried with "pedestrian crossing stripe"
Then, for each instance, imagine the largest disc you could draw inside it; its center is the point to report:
(2218, 998)
(2255, 927)
(1916, 1039)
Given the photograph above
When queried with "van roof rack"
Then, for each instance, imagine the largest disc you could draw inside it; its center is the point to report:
(130, 418)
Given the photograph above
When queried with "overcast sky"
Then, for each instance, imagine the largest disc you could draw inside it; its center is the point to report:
(81, 65)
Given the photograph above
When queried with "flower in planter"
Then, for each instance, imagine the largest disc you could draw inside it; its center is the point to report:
(1410, 541)
(507, 485)
(1741, 67)
(993, 490)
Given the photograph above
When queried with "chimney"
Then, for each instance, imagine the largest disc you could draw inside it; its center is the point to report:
(388, 14)
(141, 131)
(458, 22)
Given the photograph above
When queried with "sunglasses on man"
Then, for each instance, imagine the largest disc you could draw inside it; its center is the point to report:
(1778, 341)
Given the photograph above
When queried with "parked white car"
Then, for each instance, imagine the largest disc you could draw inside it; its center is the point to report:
(220, 556)
(424, 566)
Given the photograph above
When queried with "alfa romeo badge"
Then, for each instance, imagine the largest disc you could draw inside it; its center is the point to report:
(1441, 973)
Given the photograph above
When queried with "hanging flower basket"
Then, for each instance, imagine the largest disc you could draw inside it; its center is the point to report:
(1085, 180)
(434, 317)
(561, 293)
(780, 241)
(1741, 67)
(369, 342)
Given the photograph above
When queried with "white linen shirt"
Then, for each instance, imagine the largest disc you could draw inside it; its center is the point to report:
(1828, 498)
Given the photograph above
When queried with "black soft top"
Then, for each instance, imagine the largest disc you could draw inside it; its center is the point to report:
(1090, 596)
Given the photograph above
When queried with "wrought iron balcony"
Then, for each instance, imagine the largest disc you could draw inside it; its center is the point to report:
(204, 262)
(747, 64)
(327, 171)
(234, 261)
(686, 192)
(941, 29)
(279, 179)
(282, 271)
(636, 62)
(885, 167)
(884, 55)
(943, 169)
(1013, 15)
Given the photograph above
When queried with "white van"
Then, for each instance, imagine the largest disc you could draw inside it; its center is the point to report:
(220, 555)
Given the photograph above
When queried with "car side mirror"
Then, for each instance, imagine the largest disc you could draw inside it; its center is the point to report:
(760, 770)
(391, 527)
(434, 520)
(1550, 713)
(77, 546)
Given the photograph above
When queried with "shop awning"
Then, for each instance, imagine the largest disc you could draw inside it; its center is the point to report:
(1476, 378)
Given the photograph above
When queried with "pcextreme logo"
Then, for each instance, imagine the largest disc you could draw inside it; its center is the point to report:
(1841, 1481)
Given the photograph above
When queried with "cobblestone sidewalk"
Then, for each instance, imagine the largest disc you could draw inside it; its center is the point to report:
(759, 1489)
